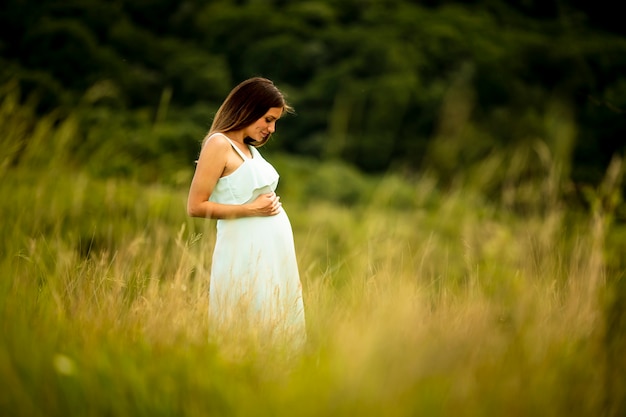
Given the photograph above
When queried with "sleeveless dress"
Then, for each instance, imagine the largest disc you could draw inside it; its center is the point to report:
(255, 285)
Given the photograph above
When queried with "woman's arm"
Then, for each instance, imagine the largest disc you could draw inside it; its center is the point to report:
(211, 165)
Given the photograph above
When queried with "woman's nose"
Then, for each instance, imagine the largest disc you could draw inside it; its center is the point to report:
(272, 127)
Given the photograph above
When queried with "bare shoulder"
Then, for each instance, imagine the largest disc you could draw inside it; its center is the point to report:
(217, 141)
(215, 145)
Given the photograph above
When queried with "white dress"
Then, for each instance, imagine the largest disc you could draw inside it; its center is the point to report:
(255, 285)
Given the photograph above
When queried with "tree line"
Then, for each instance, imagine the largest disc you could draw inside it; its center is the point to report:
(381, 84)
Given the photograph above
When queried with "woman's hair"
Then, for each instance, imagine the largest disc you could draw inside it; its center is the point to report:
(247, 103)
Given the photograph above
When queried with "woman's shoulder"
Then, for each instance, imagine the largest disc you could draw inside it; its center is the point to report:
(217, 141)
(215, 145)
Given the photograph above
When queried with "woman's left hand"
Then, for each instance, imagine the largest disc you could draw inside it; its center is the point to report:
(265, 205)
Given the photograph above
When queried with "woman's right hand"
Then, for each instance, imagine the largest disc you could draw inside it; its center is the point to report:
(266, 205)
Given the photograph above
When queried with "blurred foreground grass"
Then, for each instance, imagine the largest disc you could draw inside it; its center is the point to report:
(452, 310)
(419, 301)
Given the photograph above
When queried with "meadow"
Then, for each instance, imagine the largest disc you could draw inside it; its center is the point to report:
(420, 298)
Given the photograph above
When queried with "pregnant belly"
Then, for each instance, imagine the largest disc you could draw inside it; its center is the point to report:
(254, 228)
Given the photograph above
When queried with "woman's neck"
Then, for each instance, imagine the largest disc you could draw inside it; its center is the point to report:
(236, 136)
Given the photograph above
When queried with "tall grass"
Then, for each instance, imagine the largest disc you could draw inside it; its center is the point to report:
(448, 304)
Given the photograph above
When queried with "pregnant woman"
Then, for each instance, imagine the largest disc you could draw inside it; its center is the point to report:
(255, 288)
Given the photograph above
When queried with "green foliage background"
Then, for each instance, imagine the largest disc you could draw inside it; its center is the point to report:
(385, 84)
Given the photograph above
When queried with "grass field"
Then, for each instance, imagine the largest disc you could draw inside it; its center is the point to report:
(419, 301)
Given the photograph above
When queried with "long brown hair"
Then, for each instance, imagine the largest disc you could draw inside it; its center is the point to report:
(247, 103)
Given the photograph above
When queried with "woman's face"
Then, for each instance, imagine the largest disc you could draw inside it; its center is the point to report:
(265, 126)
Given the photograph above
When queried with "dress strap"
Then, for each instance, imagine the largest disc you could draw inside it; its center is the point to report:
(239, 151)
